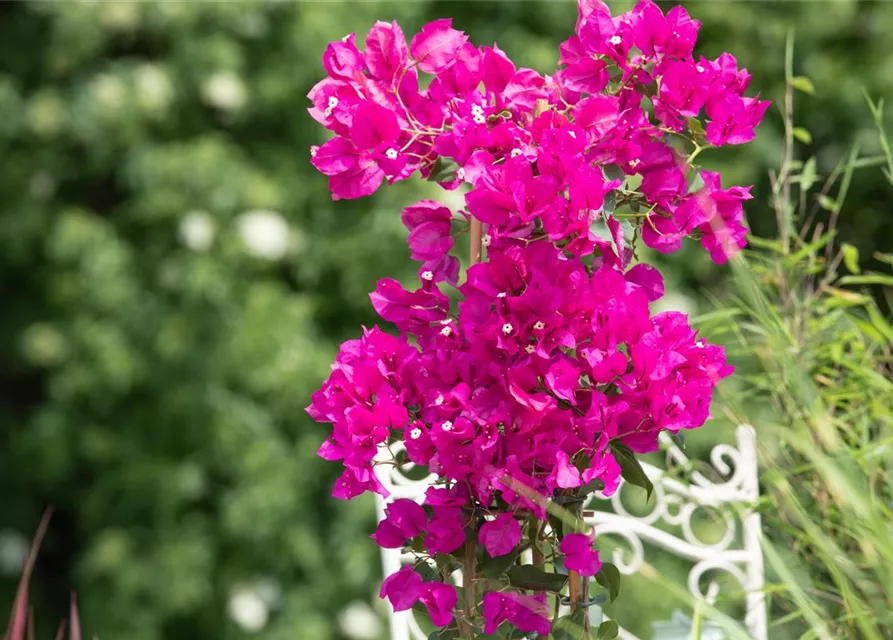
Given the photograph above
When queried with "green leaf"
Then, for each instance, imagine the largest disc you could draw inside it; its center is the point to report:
(804, 84)
(696, 128)
(494, 567)
(591, 487)
(448, 633)
(868, 278)
(610, 202)
(827, 203)
(810, 248)
(570, 626)
(613, 172)
(695, 183)
(630, 467)
(443, 171)
(765, 243)
(608, 630)
(444, 562)
(609, 577)
(530, 577)
(428, 573)
(883, 257)
(802, 134)
(809, 175)
(851, 257)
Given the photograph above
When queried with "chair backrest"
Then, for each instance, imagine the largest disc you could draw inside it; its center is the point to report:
(676, 499)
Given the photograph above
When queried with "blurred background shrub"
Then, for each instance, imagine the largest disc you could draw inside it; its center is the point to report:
(175, 281)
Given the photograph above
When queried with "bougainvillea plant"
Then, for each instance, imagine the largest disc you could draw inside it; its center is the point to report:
(535, 378)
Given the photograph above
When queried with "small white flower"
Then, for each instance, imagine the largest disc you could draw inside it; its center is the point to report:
(438, 401)
(476, 110)
(501, 294)
(516, 152)
(507, 328)
(539, 325)
(391, 154)
(446, 331)
(460, 173)
(447, 426)
(313, 151)
(333, 102)
(530, 348)
(486, 240)
(415, 434)
(615, 40)
(634, 163)
(480, 119)
(699, 68)
(427, 275)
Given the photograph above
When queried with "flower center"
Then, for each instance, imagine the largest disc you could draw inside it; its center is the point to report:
(333, 102)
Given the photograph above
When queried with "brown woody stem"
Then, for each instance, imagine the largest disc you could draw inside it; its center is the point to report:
(475, 243)
(468, 577)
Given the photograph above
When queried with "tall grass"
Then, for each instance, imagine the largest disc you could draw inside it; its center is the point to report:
(815, 352)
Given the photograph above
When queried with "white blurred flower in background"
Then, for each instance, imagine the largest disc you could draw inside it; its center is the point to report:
(358, 621)
(154, 88)
(250, 604)
(265, 233)
(248, 610)
(197, 230)
(225, 90)
(13, 549)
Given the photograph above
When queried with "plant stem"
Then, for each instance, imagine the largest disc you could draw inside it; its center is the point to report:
(475, 242)
(468, 577)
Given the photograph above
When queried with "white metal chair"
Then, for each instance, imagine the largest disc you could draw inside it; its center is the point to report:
(675, 502)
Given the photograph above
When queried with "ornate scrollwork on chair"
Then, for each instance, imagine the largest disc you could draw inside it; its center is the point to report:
(676, 501)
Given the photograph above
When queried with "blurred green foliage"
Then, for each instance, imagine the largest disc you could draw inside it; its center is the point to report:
(161, 330)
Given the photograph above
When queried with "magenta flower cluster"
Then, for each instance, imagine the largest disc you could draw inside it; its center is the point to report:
(542, 371)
